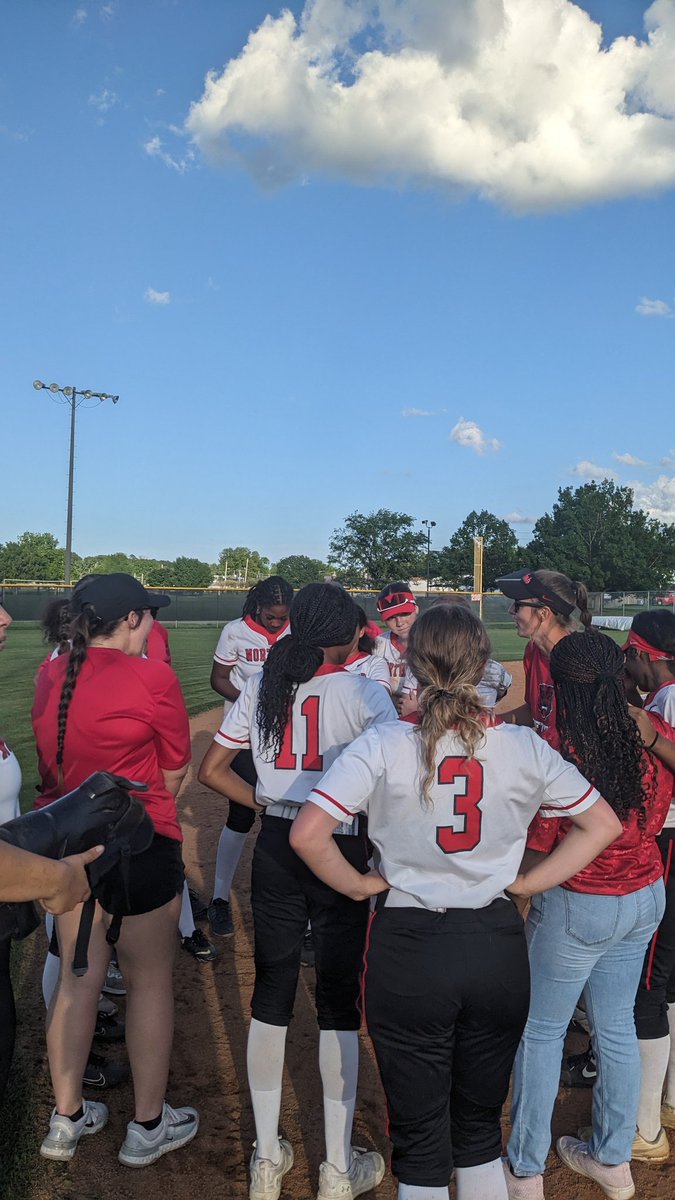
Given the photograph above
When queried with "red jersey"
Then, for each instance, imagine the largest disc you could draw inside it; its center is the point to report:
(633, 861)
(157, 643)
(540, 694)
(127, 715)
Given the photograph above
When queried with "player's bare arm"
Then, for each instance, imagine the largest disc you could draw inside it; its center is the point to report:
(220, 682)
(312, 839)
(594, 830)
(217, 774)
(59, 884)
(173, 779)
(518, 716)
(652, 739)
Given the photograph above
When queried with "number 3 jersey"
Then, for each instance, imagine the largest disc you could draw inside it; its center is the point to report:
(328, 712)
(463, 847)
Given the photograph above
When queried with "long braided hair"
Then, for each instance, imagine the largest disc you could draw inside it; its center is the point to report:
(266, 594)
(80, 630)
(596, 730)
(447, 653)
(322, 614)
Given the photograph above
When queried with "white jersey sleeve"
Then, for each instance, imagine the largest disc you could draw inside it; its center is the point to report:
(371, 666)
(227, 650)
(663, 702)
(235, 731)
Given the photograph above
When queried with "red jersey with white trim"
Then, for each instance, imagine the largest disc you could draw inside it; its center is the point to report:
(540, 694)
(392, 650)
(662, 701)
(157, 643)
(371, 666)
(328, 712)
(244, 646)
(464, 848)
(127, 715)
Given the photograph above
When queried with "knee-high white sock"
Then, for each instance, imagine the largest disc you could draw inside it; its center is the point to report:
(50, 977)
(339, 1066)
(670, 1077)
(485, 1182)
(186, 921)
(265, 1065)
(654, 1055)
(411, 1191)
(230, 846)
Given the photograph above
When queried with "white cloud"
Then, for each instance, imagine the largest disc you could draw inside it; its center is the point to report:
(468, 433)
(629, 460)
(657, 498)
(79, 17)
(108, 11)
(154, 297)
(517, 100)
(653, 308)
(668, 460)
(155, 148)
(104, 101)
(518, 518)
(417, 412)
(589, 470)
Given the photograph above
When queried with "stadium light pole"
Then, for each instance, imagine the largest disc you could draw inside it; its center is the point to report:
(71, 394)
(430, 525)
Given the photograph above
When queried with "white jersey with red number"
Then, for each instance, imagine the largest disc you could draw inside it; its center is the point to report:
(371, 666)
(392, 650)
(493, 686)
(465, 847)
(329, 711)
(662, 701)
(244, 646)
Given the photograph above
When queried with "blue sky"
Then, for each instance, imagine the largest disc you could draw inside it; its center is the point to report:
(413, 257)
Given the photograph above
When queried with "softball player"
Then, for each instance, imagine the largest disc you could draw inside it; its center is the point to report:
(398, 609)
(449, 802)
(362, 661)
(296, 718)
(241, 652)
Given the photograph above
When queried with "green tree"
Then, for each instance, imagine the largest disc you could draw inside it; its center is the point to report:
(594, 534)
(108, 564)
(239, 562)
(161, 574)
(299, 570)
(190, 572)
(35, 556)
(377, 548)
(501, 553)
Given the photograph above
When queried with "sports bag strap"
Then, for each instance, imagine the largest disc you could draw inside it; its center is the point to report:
(80, 961)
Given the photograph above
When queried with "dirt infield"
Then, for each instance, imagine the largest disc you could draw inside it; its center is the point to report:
(209, 1066)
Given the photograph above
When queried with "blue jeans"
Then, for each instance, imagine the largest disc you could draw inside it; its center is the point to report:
(595, 944)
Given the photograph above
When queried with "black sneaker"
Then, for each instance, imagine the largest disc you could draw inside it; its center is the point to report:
(109, 1029)
(307, 955)
(99, 1073)
(200, 910)
(220, 918)
(579, 1070)
(199, 946)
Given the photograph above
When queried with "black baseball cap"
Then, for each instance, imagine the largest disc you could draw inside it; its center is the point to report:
(113, 596)
(525, 585)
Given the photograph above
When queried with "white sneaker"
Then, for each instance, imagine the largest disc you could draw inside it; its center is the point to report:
(266, 1176)
(144, 1146)
(365, 1172)
(64, 1134)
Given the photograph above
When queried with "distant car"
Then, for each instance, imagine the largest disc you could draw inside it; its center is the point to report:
(667, 598)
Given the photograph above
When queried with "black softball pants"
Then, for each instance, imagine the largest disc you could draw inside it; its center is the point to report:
(657, 984)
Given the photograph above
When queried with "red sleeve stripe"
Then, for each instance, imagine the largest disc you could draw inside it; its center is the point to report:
(228, 738)
(327, 797)
(226, 662)
(581, 799)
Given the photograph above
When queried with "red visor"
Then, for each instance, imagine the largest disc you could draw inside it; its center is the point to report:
(396, 605)
(639, 643)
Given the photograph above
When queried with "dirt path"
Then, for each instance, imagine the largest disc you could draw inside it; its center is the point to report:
(209, 1066)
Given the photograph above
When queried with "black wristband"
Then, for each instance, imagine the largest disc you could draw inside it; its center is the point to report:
(653, 743)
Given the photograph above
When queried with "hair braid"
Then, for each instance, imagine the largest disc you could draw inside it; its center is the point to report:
(81, 629)
(265, 594)
(596, 730)
(447, 652)
(322, 614)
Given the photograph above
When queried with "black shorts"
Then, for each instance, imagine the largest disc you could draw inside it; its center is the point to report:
(284, 896)
(155, 877)
(240, 819)
(446, 1000)
(657, 985)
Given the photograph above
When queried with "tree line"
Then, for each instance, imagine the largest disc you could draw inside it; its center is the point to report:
(592, 533)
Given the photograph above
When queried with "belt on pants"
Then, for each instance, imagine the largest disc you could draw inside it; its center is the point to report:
(288, 812)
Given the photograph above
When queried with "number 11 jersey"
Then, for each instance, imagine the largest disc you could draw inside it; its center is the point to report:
(328, 713)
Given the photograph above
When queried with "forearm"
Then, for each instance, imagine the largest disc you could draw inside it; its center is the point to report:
(570, 856)
(665, 750)
(25, 876)
(328, 864)
(222, 779)
(220, 682)
(173, 779)
(517, 716)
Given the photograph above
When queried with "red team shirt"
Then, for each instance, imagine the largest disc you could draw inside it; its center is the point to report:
(157, 643)
(244, 645)
(540, 694)
(328, 712)
(127, 715)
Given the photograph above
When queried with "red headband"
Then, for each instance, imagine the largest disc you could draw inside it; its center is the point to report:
(397, 604)
(639, 643)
